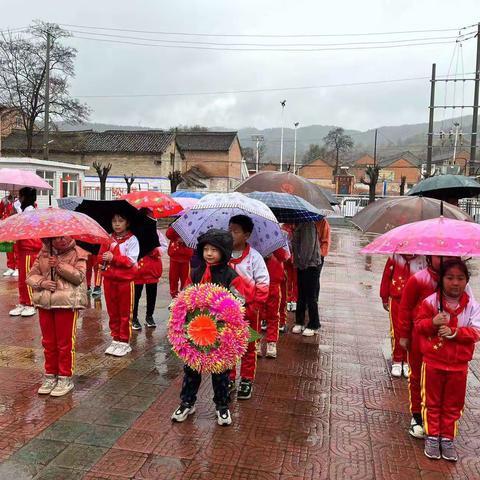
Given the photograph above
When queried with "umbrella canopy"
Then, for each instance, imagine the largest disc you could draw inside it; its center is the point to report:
(330, 196)
(15, 178)
(52, 222)
(69, 203)
(215, 210)
(187, 194)
(437, 236)
(286, 182)
(289, 208)
(143, 227)
(446, 186)
(387, 213)
(162, 205)
(187, 202)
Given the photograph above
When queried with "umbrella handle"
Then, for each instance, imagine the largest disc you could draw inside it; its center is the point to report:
(52, 273)
(440, 282)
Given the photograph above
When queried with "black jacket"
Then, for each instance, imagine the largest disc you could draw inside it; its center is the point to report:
(222, 274)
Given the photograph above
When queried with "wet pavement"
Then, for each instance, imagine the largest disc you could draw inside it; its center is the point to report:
(326, 408)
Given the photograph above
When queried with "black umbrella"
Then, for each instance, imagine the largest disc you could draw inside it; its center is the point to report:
(443, 187)
(143, 227)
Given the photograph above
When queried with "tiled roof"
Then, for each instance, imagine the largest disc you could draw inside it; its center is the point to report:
(205, 141)
(385, 162)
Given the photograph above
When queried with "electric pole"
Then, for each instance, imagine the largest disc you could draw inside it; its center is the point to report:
(473, 138)
(430, 121)
(375, 149)
(296, 124)
(282, 103)
(257, 139)
(47, 98)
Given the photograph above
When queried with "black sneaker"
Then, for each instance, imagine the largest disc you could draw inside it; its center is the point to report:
(89, 291)
(231, 387)
(97, 292)
(182, 412)
(283, 329)
(244, 390)
(150, 322)
(223, 417)
(264, 325)
(136, 325)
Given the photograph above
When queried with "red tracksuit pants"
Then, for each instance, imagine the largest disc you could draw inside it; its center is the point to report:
(443, 399)
(248, 364)
(415, 359)
(398, 353)
(58, 328)
(120, 297)
(271, 311)
(178, 273)
(93, 267)
(25, 262)
(283, 303)
(12, 258)
(291, 271)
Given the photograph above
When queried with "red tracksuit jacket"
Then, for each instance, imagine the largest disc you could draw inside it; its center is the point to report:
(123, 266)
(275, 265)
(449, 353)
(177, 250)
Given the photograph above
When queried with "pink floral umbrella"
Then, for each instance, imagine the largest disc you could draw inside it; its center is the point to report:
(437, 236)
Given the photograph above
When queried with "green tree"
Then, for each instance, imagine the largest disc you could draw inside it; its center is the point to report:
(338, 142)
(314, 151)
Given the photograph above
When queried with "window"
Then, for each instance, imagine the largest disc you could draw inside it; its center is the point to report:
(49, 177)
(70, 183)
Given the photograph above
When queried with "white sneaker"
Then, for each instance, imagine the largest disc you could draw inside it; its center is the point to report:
(271, 350)
(289, 307)
(64, 385)
(309, 332)
(258, 349)
(121, 349)
(15, 273)
(49, 383)
(17, 311)
(293, 306)
(182, 412)
(406, 370)
(111, 348)
(223, 417)
(297, 329)
(28, 311)
(396, 370)
(8, 272)
(416, 430)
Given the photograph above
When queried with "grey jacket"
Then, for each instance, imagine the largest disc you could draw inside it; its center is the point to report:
(306, 247)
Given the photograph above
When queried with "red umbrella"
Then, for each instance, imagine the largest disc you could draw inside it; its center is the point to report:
(162, 205)
(52, 222)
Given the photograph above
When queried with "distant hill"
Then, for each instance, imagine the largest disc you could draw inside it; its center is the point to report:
(390, 140)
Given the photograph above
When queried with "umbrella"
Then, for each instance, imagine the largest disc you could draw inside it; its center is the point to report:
(387, 213)
(15, 178)
(162, 205)
(143, 227)
(215, 210)
(187, 202)
(446, 186)
(330, 196)
(289, 208)
(187, 194)
(69, 203)
(52, 222)
(286, 182)
(437, 236)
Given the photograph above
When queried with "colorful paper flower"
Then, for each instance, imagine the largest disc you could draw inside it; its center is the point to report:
(207, 328)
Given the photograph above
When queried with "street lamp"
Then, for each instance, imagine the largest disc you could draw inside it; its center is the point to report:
(296, 124)
(282, 103)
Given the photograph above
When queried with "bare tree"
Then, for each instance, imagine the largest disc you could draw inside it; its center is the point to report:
(337, 141)
(129, 181)
(403, 183)
(102, 172)
(175, 180)
(22, 77)
(372, 172)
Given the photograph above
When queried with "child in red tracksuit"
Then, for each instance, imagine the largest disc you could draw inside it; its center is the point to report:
(398, 269)
(119, 273)
(271, 309)
(7, 210)
(447, 340)
(249, 264)
(290, 286)
(180, 256)
(27, 251)
(59, 299)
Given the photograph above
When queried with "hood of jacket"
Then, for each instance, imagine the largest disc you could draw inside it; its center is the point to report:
(218, 238)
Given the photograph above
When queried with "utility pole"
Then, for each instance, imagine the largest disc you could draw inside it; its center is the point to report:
(257, 139)
(375, 149)
(282, 103)
(430, 121)
(473, 139)
(47, 98)
(455, 142)
(296, 124)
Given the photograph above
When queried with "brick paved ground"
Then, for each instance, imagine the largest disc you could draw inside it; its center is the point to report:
(326, 408)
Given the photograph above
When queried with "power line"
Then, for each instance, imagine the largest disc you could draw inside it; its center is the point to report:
(192, 34)
(258, 90)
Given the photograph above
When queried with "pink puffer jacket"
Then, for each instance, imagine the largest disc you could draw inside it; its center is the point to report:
(69, 275)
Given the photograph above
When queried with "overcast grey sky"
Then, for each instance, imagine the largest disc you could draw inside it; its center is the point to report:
(104, 68)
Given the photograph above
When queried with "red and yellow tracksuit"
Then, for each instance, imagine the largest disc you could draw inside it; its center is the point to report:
(119, 284)
(27, 253)
(445, 362)
(93, 267)
(251, 267)
(6, 210)
(180, 256)
(271, 310)
(417, 289)
(291, 289)
(396, 273)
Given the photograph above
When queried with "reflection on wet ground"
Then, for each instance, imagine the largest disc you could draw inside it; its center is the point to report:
(326, 408)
